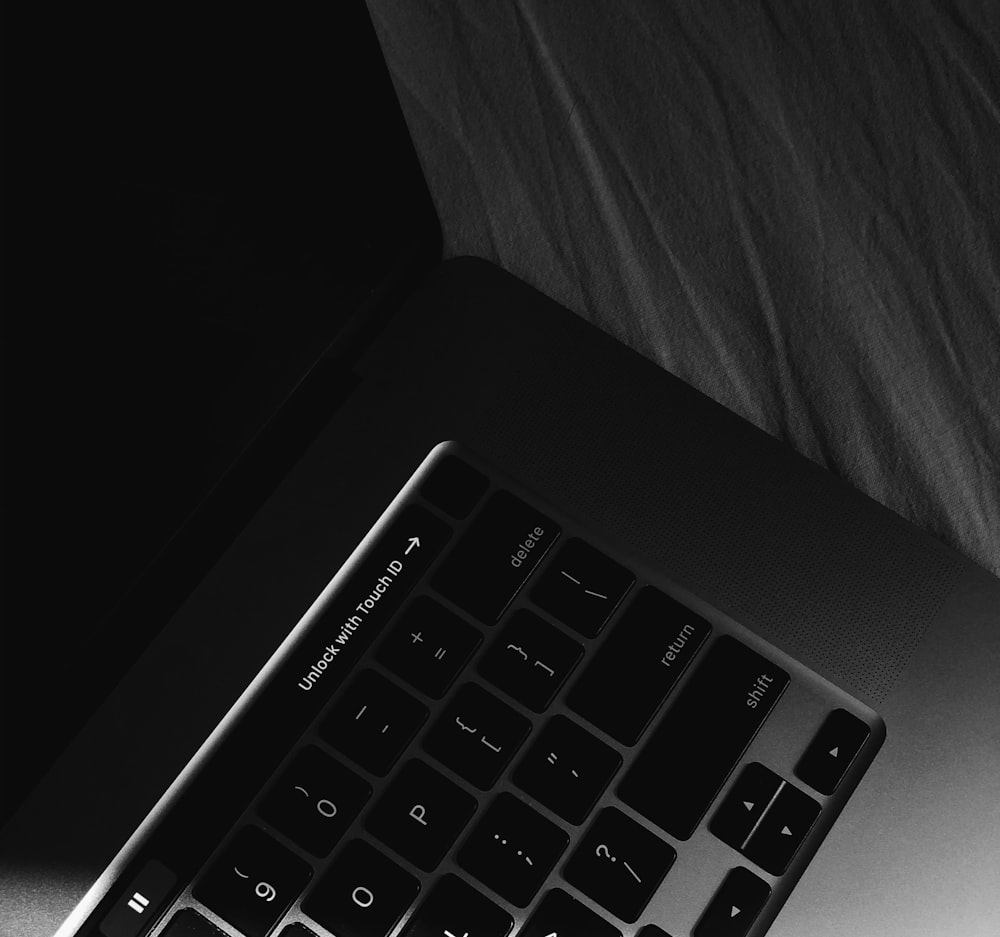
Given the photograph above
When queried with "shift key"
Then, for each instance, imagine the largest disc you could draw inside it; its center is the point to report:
(495, 556)
(702, 737)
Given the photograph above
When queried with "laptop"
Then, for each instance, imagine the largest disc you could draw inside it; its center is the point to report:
(534, 639)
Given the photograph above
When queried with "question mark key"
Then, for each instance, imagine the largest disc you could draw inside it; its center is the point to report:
(252, 882)
(619, 864)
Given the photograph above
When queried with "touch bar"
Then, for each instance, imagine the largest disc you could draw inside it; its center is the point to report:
(702, 737)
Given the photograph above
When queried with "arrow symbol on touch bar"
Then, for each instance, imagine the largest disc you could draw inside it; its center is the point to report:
(414, 542)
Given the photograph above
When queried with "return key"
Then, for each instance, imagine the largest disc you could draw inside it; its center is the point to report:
(638, 665)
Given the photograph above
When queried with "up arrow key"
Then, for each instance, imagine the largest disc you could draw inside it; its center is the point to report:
(785, 831)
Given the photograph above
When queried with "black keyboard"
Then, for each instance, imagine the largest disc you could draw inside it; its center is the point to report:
(491, 723)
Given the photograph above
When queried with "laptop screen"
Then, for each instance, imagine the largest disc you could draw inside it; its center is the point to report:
(204, 210)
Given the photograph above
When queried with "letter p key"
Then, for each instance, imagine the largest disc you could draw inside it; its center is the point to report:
(418, 812)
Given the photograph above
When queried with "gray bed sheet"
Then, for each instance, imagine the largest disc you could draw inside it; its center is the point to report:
(793, 207)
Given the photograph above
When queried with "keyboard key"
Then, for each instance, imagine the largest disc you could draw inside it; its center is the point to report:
(831, 752)
(454, 486)
(314, 800)
(559, 915)
(362, 894)
(582, 587)
(495, 556)
(744, 805)
(702, 737)
(566, 769)
(421, 814)
(638, 665)
(619, 864)
(429, 646)
(453, 907)
(476, 735)
(373, 722)
(252, 882)
(512, 849)
(530, 660)
(734, 907)
(781, 831)
(189, 923)
(140, 902)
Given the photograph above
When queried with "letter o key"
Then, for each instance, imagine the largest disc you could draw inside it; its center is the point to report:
(362, 896)
(326, 807)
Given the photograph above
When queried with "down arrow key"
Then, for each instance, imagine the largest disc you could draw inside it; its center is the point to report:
(782, 830)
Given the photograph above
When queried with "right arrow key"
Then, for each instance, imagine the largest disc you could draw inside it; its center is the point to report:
(831, 752)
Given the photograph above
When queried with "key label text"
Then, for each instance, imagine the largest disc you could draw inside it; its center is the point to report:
(525, 547)
(351, 624)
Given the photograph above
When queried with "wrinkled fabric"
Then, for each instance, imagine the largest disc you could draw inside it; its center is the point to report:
(793, 207)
